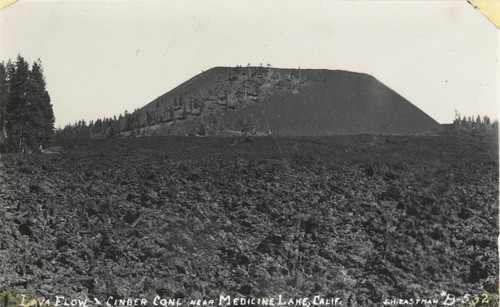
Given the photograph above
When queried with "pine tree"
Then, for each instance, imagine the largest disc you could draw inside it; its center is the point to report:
(3, 102)
(46, 119)
(184, 111)
(28, 116)
(18, 102)
(172, 115)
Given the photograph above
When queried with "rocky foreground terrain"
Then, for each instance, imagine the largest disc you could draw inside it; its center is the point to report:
(362, 221)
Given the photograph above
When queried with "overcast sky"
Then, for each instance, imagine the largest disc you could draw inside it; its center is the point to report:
(103, 57)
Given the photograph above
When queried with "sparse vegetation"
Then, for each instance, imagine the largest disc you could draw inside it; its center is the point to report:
(474, 124)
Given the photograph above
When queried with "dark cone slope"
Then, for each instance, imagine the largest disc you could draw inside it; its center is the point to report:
(295, 102)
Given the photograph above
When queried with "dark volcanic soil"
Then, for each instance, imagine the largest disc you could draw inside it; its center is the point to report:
(363, 219)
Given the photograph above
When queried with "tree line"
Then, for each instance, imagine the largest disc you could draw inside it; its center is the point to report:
(26, 115)
(135, 123)
(478, 123)
(105, 127)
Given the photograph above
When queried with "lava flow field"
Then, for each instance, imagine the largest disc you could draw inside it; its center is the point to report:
(357, 220)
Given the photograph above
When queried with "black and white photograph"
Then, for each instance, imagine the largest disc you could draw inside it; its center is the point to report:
(249, 153)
